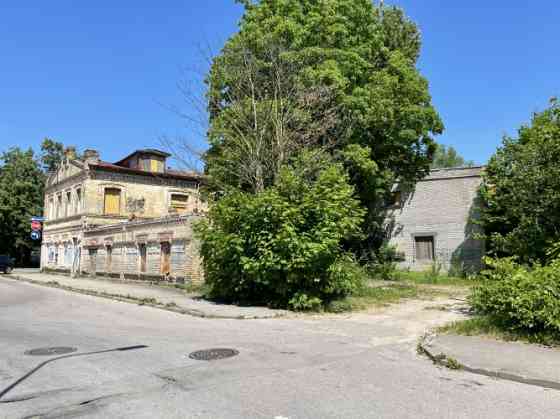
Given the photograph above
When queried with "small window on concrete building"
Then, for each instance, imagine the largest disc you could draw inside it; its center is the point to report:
(112, 201)
(424, 246)
(179, 203)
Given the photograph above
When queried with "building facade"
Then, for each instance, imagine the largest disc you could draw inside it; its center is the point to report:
(435, 222)
(129, 219)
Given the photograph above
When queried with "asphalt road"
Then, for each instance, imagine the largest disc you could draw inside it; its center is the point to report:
(359, 366)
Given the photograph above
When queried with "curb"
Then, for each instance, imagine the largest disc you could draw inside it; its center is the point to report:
(448, 361)
(149, 302)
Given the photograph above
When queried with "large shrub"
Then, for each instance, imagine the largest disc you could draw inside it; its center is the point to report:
(521, 190)
(520, 298)
(283, 246)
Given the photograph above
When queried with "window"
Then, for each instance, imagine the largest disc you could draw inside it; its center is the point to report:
(112, 201)
(51, 213)
(143, 257)
(179, 203)
(109, 259)
(67, 204)
(58, 206)
(78, 202)
(424, 246)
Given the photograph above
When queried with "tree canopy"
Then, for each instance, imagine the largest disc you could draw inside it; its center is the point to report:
(447, 156)
(521, 190)
(21, 197)
(52, 153)
(365, 57)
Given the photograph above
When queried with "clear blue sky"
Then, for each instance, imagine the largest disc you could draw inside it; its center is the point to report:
(95, 75)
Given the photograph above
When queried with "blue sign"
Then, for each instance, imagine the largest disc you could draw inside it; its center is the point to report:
(35, 235)
(40, 219)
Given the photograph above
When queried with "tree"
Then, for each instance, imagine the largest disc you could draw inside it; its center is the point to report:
(21, 197)
(521, 190)
(283, 246)
(52, 153)
(449, 157)
(365, 56)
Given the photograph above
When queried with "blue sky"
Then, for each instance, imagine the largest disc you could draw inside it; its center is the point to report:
(96, 75)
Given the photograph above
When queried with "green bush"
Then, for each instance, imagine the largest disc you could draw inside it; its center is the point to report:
(284, 246)
(520, 298)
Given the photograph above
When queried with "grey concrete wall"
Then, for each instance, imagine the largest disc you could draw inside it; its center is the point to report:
(442, 205)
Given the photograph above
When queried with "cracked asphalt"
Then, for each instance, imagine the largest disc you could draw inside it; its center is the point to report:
(349, 366)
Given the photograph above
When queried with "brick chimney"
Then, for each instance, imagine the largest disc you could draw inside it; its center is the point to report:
(70, 153)
(91, 156)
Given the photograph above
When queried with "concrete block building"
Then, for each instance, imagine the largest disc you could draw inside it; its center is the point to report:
(433, 222)
(129, 219)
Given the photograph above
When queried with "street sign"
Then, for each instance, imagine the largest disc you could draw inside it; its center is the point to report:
(36, 225)
(40, 219)
(35, 235)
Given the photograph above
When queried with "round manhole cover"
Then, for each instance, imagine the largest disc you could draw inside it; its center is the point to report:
(213, 354)
(56, 350)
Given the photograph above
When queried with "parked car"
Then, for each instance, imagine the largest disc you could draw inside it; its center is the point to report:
(6, 264)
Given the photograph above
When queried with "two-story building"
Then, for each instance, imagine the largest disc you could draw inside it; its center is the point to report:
(129, 219)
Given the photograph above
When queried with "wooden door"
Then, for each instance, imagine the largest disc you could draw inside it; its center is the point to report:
(165, 258)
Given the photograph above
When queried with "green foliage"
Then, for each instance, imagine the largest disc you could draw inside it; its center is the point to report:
(449, 157)
(21, 197)
(554, 251)
(520, 298)
(365, 57)
(52, 153)
(283, 246)
(521, 191)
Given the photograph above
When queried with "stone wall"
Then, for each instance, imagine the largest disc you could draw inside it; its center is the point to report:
(442, 206)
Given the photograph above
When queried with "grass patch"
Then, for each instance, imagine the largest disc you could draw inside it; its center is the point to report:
(379, 296)
(428, 277)
(489, 327)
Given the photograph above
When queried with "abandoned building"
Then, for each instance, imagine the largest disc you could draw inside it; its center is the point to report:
(130, 219)
(434, 223)
(133, 219)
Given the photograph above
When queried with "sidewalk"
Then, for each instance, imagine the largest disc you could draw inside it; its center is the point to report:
(172, 299)
(514, 361)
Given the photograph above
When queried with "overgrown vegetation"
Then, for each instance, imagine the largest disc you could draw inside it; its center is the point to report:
(520, 298)
(283, 246)
(521, 191)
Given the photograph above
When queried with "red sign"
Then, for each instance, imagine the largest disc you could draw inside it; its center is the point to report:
(36, 226)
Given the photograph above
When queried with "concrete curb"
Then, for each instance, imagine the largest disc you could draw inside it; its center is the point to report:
(448, 361)
(150, 302)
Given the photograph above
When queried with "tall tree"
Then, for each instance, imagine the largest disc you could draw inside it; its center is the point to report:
(365, 55)
(447, 156)
(21, 197)
(521, 190)
(52, 153)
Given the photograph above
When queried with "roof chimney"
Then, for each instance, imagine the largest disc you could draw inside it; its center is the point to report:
(70, 153)
(91, 156)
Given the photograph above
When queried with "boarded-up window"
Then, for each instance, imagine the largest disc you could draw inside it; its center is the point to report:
(112, 201)
(424, 247)
(179, 203)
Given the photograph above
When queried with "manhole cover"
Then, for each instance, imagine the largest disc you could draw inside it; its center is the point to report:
(57, 350)
(213, 354)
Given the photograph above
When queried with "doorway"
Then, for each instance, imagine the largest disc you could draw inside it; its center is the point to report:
(92, 261)
(165, 258)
